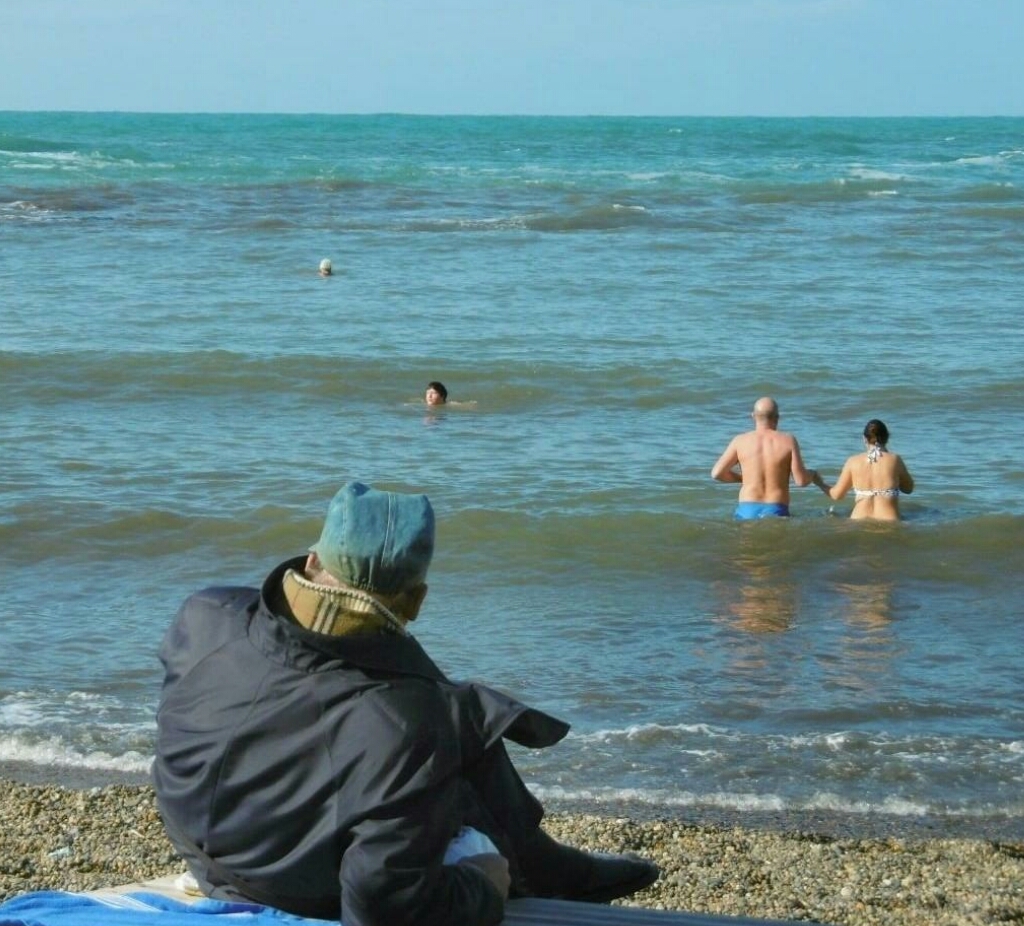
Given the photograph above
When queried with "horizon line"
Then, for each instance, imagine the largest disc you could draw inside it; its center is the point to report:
(508, 115)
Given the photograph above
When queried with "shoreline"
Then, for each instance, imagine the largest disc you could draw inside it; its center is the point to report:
(830, 823)
(811, 868)
(833, 824)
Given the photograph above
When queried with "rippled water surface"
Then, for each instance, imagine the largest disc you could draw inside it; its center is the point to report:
(183, 393)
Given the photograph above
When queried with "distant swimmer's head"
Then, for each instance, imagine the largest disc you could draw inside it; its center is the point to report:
(766, 409)
(876, 434)
(325, 268)
(436, 393)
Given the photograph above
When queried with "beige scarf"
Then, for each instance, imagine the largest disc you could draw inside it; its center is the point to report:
(337, 611)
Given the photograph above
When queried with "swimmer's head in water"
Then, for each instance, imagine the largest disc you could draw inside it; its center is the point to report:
(436, 393)
(325, 268)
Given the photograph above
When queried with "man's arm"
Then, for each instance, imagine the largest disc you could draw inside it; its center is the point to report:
(392, 872)
(495, 867)
(802, 476)
(842, 486)
(724, 470)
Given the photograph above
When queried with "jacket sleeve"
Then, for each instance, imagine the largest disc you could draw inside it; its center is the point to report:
(409, 771)
(488, 715)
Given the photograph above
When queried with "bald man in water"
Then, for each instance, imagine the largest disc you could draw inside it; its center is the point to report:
(767, 458)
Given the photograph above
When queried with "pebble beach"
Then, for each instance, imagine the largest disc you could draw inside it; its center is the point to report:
(79, 839)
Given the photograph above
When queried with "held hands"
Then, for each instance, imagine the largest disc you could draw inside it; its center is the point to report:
(819, 482)
(494, 867)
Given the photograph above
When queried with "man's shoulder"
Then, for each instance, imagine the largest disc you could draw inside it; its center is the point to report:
(405, 697)
(218, 604)
(750, 441)
(784, 438)
(220, 597)
(206, 621)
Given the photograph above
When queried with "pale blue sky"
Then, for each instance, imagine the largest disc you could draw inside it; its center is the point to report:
(637, 57)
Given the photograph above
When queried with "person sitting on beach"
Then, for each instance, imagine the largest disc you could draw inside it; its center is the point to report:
(767, 458)
(877, 477)
(311, 757)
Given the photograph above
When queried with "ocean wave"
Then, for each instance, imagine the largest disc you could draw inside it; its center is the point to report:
(56, 754)
(534, 532)
(70, 163)
(649, 733)
(755, 802)
(987, 193)
(999, 213)
(69, 202)
(77, 729)
(974, 546)
(873, 174)
(22, 144)
(838, 772)
(877, 742)
(24, 211)
(991, 160)
(104, 713)
(501, 223)
(592, 218)
(820, 192)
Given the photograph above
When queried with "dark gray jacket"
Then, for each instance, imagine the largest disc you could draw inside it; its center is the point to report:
(324, 775)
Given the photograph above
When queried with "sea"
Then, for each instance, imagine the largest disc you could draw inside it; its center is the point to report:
(605, 299)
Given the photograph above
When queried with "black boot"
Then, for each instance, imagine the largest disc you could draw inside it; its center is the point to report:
(556, 870)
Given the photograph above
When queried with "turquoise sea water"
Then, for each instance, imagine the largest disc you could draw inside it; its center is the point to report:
(183, 393)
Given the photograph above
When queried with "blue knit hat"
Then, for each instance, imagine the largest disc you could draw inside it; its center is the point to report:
(377, 541)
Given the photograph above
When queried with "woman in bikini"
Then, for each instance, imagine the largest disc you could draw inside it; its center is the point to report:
(877, 477)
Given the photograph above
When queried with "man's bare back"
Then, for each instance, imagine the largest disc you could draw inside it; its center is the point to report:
(767, 458)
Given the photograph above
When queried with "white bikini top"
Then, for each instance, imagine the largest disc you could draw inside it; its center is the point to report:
(874, 455)
(875, 493)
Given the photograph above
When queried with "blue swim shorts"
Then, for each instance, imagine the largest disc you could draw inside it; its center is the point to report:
(752, 511)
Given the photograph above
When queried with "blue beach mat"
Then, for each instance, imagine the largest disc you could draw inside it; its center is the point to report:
(59, 908)
(62, 908)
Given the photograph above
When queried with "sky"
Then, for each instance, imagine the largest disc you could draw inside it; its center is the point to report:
(544, 57)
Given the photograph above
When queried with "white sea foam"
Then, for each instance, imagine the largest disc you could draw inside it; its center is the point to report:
(55, 752)
(889, 805)
(982, 159)
(746, 801)
(836, 741)
(751, 802)
(24, 709)
(648, 731)
(865, 173)
(77, 717)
